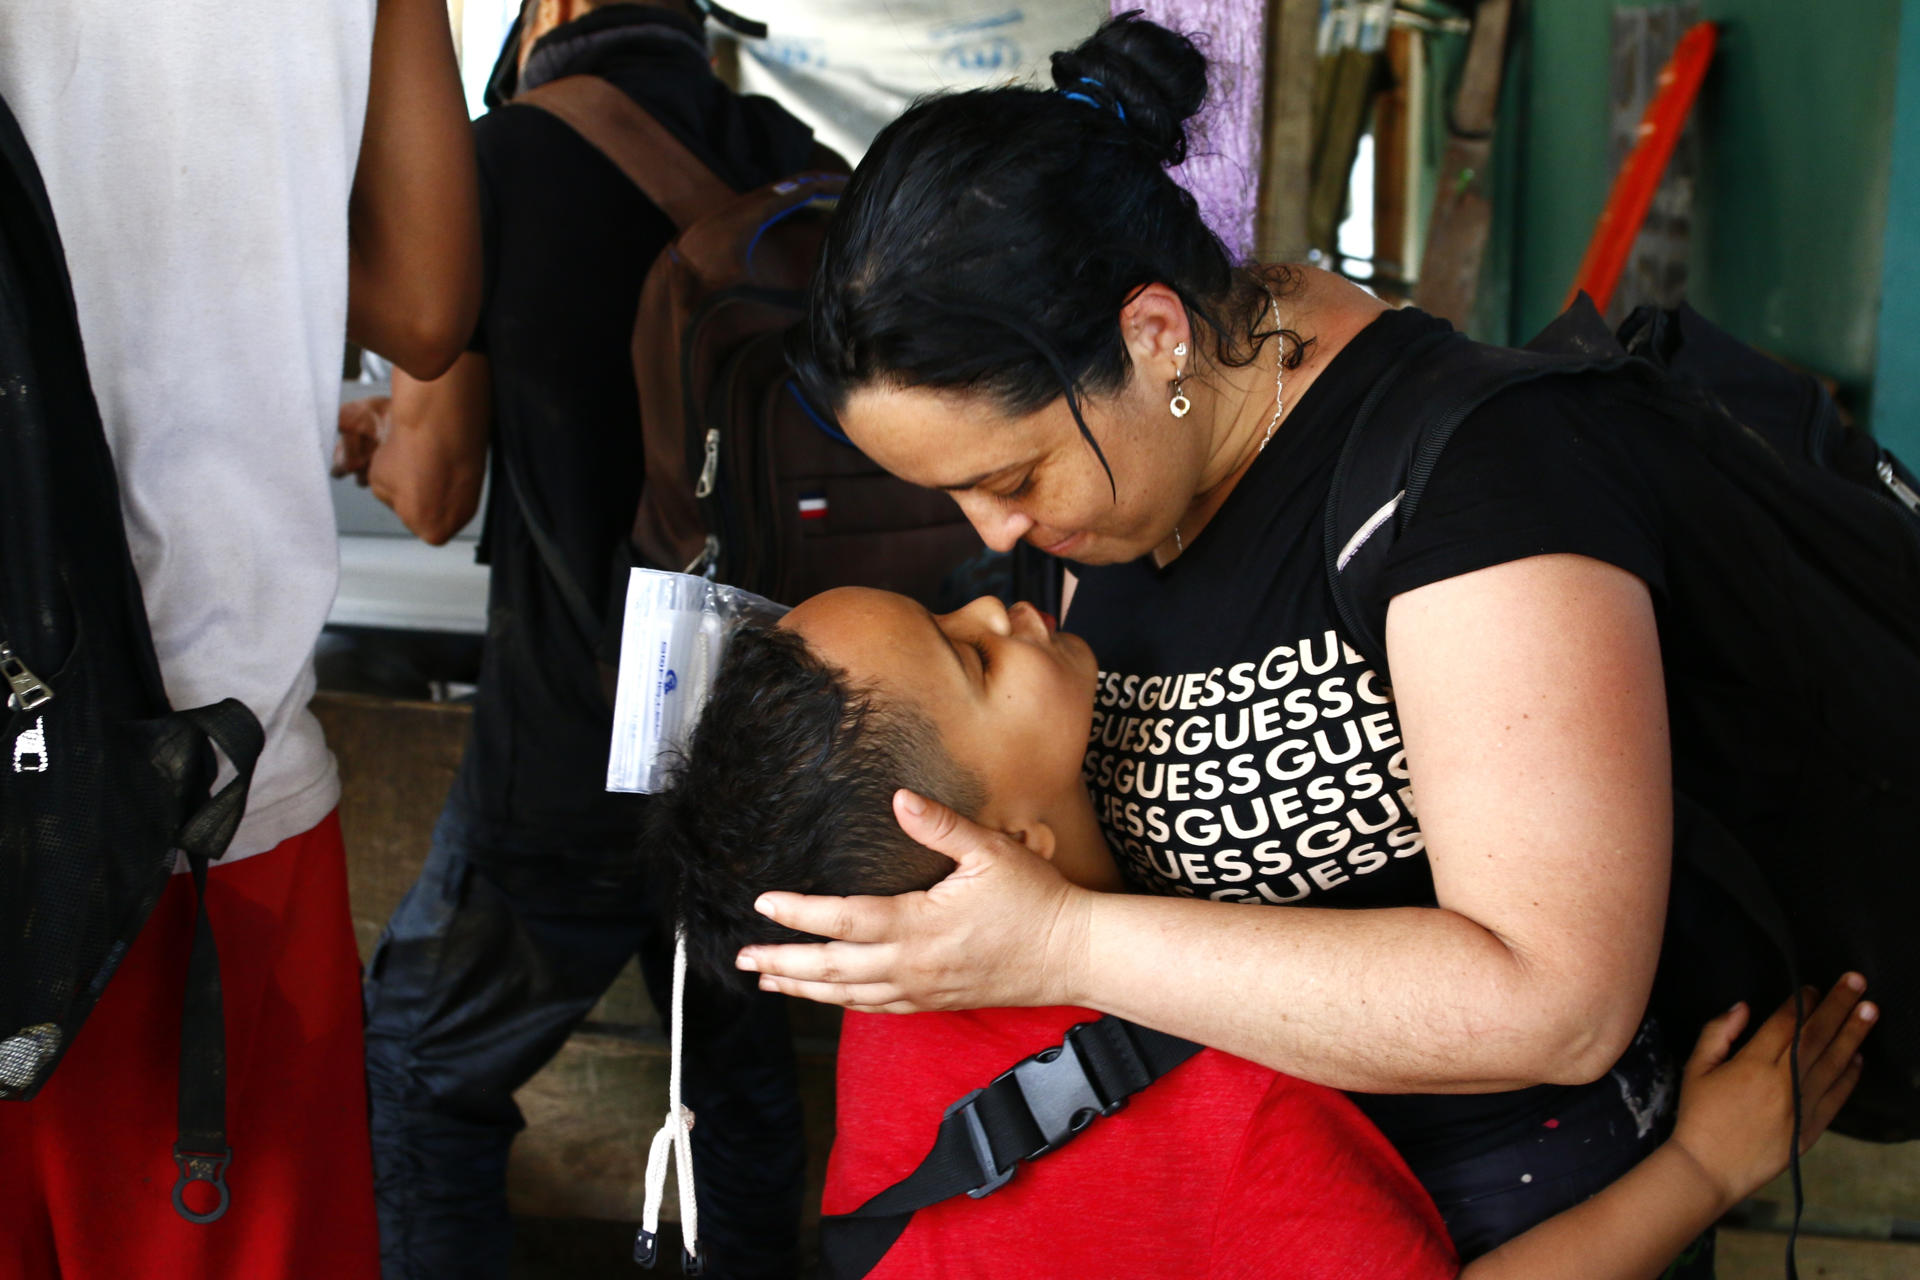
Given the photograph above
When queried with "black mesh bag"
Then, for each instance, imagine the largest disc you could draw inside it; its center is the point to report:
(101, 782)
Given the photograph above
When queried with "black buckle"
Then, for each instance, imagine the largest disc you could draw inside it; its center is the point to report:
(992, 1175)
(209, 1167)
(1060, 1095)
(646, 1252)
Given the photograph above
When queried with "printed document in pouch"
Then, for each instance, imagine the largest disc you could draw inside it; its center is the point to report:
(672, 639)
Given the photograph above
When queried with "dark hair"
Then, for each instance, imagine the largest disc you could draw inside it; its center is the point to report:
(989, 239)
(788, 783)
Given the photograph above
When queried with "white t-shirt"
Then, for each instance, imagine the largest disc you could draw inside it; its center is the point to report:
(848, 67)
(199, 157)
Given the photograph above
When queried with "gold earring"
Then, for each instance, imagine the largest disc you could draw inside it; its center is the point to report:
(1179, 405)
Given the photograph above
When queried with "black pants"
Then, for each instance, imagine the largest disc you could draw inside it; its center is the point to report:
(1491, 1197)
(487, 965)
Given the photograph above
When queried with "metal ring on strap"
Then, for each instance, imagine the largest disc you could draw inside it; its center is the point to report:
(201, 1166)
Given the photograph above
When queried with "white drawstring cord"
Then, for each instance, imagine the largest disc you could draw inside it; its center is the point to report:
(673, 1136)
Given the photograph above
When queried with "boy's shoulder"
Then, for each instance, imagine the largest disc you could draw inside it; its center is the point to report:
(898, 1073)
(974, 1034)
(1267, 1154)
(907, 1060)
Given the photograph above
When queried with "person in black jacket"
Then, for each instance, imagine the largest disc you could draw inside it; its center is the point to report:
(531, 900)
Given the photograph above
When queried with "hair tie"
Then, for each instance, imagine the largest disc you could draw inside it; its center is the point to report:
(1076, 96)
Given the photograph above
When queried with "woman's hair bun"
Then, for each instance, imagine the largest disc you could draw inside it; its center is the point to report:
(1156, 76)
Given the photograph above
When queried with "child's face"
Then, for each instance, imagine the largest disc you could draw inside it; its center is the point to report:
(1011, 696)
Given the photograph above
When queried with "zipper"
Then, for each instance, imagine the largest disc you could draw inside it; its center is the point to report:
(1897, 487)
(28, 690)
(709, 465)
(704, 564)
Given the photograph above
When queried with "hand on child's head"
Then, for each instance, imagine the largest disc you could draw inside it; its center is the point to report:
(1736, 1112)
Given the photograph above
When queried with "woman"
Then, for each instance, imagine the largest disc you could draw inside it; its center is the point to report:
(1016, 304)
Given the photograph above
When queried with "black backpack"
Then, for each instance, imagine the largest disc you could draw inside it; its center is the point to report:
(1794, 563)
(745, 481)
(100, 781)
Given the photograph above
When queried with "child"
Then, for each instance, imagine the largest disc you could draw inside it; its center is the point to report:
(1223, 1168)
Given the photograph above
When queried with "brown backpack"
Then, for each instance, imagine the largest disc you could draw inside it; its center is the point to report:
(745, 481)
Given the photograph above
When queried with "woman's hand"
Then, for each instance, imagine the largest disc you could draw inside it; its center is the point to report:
(1003, 929)
(1736, 1113)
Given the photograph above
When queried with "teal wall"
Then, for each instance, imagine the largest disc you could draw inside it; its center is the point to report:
(1797, 125)
(1896, 393)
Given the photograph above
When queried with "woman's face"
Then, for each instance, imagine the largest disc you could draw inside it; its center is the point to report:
(1034, 477)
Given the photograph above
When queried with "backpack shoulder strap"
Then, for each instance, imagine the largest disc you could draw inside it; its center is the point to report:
(1402, 427)
(201, 1154)
(1038, 1105)
(572, 595)
(655, 161)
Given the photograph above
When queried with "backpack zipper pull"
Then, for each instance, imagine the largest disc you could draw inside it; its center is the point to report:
(29, 691)
(1908, 498)
(710, 467)
(707, 562)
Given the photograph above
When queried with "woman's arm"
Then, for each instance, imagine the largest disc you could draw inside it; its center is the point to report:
(1533, 709)
(1533, 712)
(1734, 1133)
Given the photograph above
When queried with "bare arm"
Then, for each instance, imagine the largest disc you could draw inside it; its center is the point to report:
(1534, 716)
(1734, 1133)
(424, 452)
(413, 269)
(1631, 1230)
(1533, 710)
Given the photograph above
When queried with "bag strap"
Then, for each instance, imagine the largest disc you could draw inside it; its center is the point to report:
(667, 173)
(1037, 1106)
(678, 184)
(571, 594)
(1726, 864)
(201, 1153)
(1367, 491)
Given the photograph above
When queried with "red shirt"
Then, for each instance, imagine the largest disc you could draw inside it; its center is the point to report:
(1221, 1169)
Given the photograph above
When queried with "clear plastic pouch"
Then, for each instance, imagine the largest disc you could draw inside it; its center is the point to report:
(672, 639)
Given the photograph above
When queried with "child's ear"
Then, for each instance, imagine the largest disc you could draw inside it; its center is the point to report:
(1039, 837)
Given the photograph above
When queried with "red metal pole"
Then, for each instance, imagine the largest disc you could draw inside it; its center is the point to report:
(1639, 176)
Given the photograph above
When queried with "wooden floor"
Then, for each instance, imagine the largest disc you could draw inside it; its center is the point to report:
(575, 1178)
(583, 1249)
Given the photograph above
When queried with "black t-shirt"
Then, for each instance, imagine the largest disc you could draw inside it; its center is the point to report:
(567, 241)
(1243, 751)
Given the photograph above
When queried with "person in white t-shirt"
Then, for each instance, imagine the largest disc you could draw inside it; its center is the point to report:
(238, 192)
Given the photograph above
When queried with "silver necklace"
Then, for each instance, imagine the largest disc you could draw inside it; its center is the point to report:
(1279, 394)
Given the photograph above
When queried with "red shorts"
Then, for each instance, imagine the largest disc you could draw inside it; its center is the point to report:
(86, 1168)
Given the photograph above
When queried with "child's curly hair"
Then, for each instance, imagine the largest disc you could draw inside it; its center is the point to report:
(788, 784)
